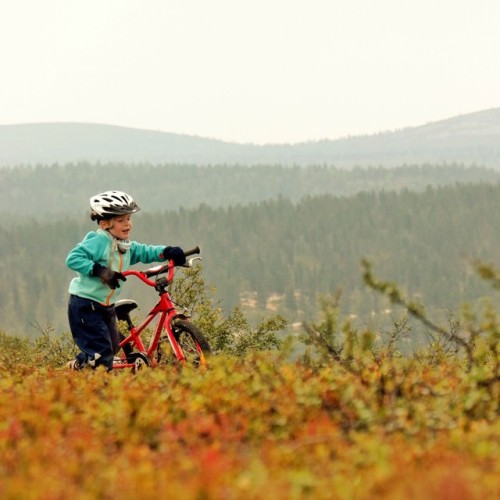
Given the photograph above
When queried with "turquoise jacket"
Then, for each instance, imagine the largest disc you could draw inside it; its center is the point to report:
(100, 246)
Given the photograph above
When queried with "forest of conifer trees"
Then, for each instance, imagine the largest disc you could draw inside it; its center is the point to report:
(291, 249)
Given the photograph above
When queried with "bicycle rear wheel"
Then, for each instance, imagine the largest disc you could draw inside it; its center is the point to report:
(192, 341)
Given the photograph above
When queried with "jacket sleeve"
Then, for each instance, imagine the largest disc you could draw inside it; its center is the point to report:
(83, 257)
(146, 253)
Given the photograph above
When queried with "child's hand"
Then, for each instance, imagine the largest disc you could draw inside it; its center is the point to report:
(176, 254)
(110, 277)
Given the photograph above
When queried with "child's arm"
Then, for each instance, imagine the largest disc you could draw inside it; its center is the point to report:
(86, 254)
(155, 253)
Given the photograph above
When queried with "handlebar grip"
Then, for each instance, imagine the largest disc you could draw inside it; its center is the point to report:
(193, 251)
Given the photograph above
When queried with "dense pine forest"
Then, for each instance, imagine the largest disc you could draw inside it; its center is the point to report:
(57, 191)
(266, 243)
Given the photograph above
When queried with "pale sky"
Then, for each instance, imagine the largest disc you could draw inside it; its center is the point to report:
(261, 71)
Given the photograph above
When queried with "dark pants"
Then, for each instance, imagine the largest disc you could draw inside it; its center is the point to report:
(94, 331)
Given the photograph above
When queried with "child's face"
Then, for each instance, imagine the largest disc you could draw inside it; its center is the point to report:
(119, 227)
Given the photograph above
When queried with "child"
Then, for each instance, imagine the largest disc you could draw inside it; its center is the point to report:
(99, 261)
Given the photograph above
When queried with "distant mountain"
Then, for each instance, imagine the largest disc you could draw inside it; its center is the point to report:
(469, 139)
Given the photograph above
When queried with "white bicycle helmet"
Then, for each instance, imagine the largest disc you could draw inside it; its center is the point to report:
(110, 204)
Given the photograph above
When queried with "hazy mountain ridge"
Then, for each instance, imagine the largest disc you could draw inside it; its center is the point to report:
(471, 139)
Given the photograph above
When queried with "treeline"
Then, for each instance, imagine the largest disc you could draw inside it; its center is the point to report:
(424, 241)
(54, 191)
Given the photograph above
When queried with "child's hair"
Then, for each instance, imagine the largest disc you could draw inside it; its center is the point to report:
(99, 218)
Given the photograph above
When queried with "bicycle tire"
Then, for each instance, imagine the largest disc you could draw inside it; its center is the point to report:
(193, 343)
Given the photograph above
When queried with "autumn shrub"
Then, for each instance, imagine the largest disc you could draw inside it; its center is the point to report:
(254, 426)
(14, 351)
(351, 418)
(227, 332)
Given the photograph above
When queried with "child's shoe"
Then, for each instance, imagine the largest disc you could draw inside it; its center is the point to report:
(74, 364)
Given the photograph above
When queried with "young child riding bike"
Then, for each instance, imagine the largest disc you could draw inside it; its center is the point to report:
(99, 260)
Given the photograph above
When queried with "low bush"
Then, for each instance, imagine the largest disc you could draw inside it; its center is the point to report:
(351, 418)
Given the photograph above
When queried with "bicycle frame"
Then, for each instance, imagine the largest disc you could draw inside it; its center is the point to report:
(164, 308)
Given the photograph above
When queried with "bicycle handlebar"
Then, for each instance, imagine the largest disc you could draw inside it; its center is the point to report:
(155, 271)
(193, 251)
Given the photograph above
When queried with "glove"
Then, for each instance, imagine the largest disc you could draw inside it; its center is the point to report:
(107, 275)
(176, 254)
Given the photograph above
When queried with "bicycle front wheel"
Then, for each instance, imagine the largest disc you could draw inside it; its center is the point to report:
(192, 341)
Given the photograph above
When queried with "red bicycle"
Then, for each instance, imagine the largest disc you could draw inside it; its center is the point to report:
(188, 344)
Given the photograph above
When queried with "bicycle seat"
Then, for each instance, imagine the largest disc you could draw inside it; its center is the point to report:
(123, 308)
